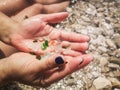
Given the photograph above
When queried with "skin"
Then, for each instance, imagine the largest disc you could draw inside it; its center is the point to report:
(19, 9)
(40, 6)
(22, 35)
(24, 67)
(43, 72)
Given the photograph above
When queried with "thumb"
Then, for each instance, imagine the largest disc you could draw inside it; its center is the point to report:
(55, 18)
(50, 62)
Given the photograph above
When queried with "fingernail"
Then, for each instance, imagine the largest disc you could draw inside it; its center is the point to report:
(90, 57)
(82, 60)
(59, 60)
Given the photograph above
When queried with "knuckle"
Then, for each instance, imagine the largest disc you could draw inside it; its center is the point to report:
(43, 82)
(38, 6)
(49, 63)
(85, 46)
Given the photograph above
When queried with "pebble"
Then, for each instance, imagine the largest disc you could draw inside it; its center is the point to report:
(103, 61)
(117, 27)
(68, 88)
(117, 73)
(111, 44)
(116, 88)
(102, 83)
(116, 53)
(98, 5)
(105, 69)
(115, 60)
(116, 39)
(115, 82)
(91, 10)
(113, 66)
(70, 82)
(102, 49)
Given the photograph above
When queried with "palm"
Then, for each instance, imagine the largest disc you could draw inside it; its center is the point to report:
(32, 36)
(35, 31)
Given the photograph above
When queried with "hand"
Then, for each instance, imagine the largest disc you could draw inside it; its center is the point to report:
(20, 9)
(26, 69)
(37, 29)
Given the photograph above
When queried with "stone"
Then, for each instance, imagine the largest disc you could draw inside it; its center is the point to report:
(116, 88)
(115, 60)
(116, 39)
(113, 66)
(103, 61)
(98, 5)
(91, 10)
(115, 82)
(117, 27)
(68, 88)
(102, 83)
(116, 53)
(110, 43)
(117, 73)
(105, 69)
(70, 82)
(102, 49)
(118, 1)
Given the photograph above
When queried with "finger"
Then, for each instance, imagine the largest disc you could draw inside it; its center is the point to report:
(68, 36)
(71, 66)
(9, 7)
(74, 37)
(47, 2)
(58, 7)
(58, 74)
(75, 46)
(72, 53)
(86, 60)
(57, 48)
(36, 47)
(28, 12)
(51, 18)
(55, 18)
(49, 62)
(37, 9)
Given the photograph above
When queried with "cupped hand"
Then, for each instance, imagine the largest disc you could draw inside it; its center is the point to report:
(26, 69)
(19, 10)
(32, 34)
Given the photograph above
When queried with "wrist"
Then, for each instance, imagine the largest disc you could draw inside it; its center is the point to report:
(4, 71)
